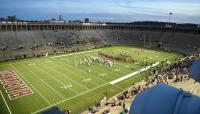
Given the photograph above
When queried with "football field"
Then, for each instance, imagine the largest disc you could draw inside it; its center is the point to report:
(76, 80)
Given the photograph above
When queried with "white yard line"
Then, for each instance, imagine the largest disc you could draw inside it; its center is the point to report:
(133, 74)
(6, 103)
(74, 53)
(31, 85)
(44, 82)
(67, 76)
(103, 79)
(69, 98)
(92, 76)
(56, 80)
(136, 72)
(72, 67)
(129, 75)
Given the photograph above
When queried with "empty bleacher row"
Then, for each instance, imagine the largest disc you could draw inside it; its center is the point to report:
(22, 44)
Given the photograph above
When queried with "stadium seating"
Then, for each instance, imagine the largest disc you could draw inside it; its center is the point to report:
(176, 75)
(20, 44)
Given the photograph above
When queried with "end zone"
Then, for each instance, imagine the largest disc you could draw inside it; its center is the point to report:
(13, 85)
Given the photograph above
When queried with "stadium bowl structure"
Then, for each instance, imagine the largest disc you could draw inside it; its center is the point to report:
(47, 57)
(30, 40)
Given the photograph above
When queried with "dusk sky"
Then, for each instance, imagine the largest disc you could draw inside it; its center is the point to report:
(184, 11)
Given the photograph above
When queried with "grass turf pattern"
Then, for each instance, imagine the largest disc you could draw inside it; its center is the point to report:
(59, 81)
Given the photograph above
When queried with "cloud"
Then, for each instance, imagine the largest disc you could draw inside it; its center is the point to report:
(123, 10)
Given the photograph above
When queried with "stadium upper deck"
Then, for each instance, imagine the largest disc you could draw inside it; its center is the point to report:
(14, 26)
(22, 40)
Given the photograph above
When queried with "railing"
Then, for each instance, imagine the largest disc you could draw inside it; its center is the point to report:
(81, 26)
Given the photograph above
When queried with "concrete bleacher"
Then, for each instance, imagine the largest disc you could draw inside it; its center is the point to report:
(186, 43)
(186, 85)
(176, 74)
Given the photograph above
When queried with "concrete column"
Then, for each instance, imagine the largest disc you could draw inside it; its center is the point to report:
(21, 27)
(63, 27)
(16, 26)
(6, 27)
(39, 26)
(11, 27)
(26, 27)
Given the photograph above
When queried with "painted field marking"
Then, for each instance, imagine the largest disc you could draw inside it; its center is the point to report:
(31, 64)
(20, 84)
(92, 76)
(44, 81)
(98, 77)
(48, 61)
(137, 72)
(103, 74)
(74, 53)
(66, 86)
(133, 74)
(69, 98)
(66, 76)
(103, 79)
(31, 85)
(6, 103)
(88, 91)
(86, 80)
(116, 70)
(72, 67)
(56, 79)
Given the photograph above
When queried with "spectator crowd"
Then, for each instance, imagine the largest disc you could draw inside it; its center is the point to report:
(166, 73)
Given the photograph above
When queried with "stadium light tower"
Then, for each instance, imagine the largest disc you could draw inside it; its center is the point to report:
(150, 41)
(169, 18)
(144, 40)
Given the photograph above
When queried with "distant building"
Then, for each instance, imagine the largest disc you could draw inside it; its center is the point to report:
(60, 18)
(12, 18)
(53, 19)
(87, 20)
(76, 21)
(2, 19)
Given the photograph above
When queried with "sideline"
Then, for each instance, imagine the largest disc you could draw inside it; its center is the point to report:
(113, 82)
(138, 72)
(70, 98)
(29, 84)
(74, 53)
(6, 103)
(133, 74)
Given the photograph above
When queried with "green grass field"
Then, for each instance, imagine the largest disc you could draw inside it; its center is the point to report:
(59, 81)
